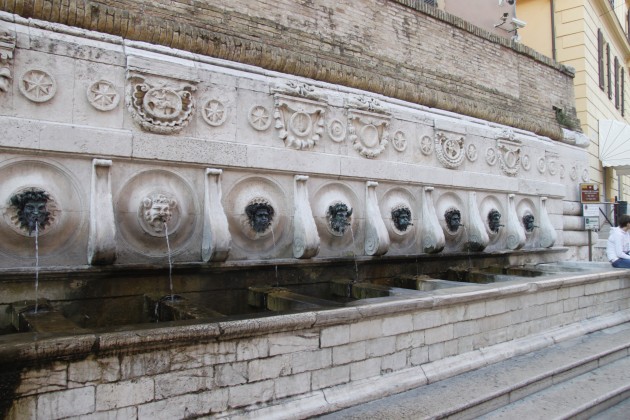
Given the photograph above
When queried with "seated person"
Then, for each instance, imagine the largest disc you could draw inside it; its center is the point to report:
(619, 243)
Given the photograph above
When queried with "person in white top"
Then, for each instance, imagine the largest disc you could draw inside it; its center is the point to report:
(618, 244)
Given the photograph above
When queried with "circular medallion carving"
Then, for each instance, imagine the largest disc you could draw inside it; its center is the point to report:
(526, 163)
(369, 136)
(471, 152)
(562, 171)
(426, 145)
(301, 123)
(449, 151)
(214, 112)
(585, 176)
(337, 131)
(102, 95)
(399, 141)
(552, 167)
(573, 174)
(162, 103)
(259, 118)
(541, 164)
(37, 85)
(491, 156)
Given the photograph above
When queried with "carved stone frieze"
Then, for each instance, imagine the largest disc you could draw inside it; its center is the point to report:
(7, 46)
(300, 122)
(491, 156)
(160, 105)
(37, 85)
(102, 95)
(295, 88)
(509, 152)
(449, 151)
(526, 163)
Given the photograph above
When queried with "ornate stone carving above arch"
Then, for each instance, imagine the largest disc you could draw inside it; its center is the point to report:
(368, 125)
(509, 152)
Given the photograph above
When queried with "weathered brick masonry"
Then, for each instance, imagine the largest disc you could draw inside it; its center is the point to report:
(410, 51)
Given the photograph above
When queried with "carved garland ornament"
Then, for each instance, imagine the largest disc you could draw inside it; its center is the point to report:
(449, 151)
(300, 122)
(160, 107)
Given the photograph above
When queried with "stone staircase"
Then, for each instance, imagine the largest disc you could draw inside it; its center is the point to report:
(586, 377)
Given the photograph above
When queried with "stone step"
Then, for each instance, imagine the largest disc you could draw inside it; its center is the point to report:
(482, 391)
(616, 412)
(580, 397)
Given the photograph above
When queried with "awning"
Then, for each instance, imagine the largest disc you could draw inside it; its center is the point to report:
(614, 145)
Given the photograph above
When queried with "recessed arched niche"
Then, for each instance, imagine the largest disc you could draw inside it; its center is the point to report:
(257, 213)
(338, 215)
(62, 200)
(152, 204)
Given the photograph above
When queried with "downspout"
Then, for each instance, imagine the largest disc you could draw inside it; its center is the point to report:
(553, 30)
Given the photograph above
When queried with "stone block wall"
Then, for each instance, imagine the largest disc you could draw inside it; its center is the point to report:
(401, 49)
(307, 363)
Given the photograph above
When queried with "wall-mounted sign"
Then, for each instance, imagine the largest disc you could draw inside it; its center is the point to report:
(589, 193)
(590, 210)
(591, 223)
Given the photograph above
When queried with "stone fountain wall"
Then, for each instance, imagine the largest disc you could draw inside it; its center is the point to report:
(123, 136)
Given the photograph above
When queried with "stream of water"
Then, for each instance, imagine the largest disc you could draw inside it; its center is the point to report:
(170, 263)
(36, 266)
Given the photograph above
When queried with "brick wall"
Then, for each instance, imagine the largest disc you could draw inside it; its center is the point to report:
(399, 48)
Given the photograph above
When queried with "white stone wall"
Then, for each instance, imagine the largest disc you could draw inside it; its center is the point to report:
(305, 364)
(163, 116)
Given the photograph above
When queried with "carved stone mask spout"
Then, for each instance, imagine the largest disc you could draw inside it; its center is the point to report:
(31, 209)
(339, 216)
(528, 222)
(453, 219)
(402, 218)
(158, 210)
(260, 215)
(494, 221)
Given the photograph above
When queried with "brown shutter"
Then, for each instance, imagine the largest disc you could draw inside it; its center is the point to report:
(616, 82)
(600, 58)
(608, 71)
(623, 94)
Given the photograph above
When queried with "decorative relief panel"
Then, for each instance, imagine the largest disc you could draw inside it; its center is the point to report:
(7, 46)
(368, 126)
(491, 156)
(509, 152)
(526, 163)
(300, 122)
(449, 151)
(37, 85)
(160, 105)
(102, 95)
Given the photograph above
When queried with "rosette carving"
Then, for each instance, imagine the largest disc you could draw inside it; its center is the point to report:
(160, 106)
